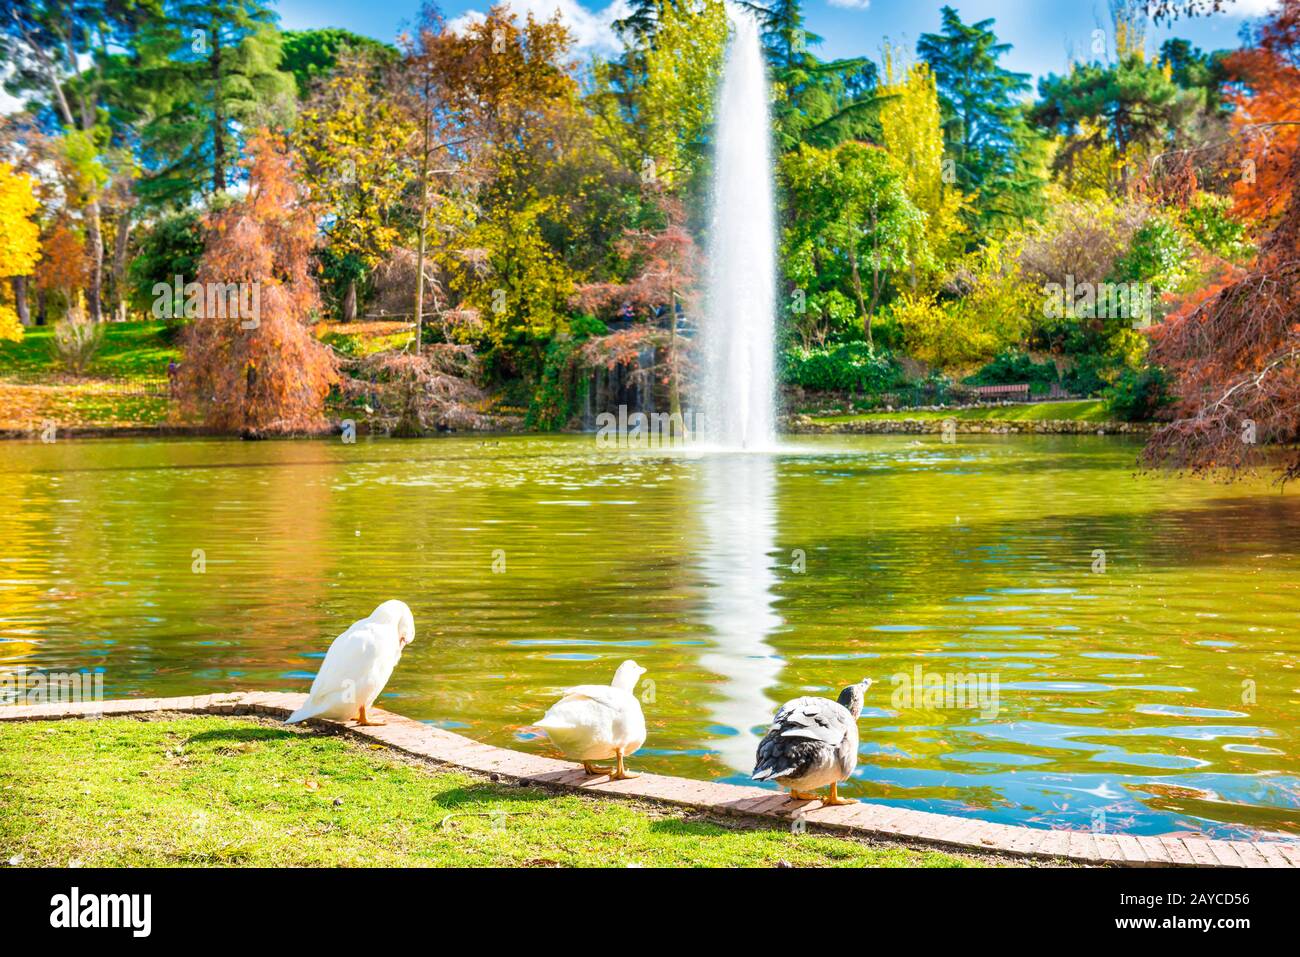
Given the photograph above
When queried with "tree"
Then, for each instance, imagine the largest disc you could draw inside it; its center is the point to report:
(170, 246)
(19, 239)
(208, 69)
(684, 56)
(445, 149)
(64, 263)
(848, 218)
(311, 55)
(352, 137)
(1235, 358)
(511, 88)
(263, 373)
(985, 312)
(1193, 69)
(48, 44)
(912, 134)
(819, 102)
(994, 152)
(1267, 115)
(662, 285)
(1134, 105)
(413, 394)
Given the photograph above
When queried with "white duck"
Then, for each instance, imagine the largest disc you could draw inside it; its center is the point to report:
(358, 665)
(595, 722)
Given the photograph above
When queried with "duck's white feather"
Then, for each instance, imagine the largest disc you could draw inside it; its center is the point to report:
(594, 722)
(356, 668)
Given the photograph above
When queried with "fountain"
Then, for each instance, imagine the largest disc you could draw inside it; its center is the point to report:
(738, 334)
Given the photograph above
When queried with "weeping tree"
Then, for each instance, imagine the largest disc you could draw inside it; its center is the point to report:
(252, 365)
(411, 395)
(1235, 358)
(435, 387)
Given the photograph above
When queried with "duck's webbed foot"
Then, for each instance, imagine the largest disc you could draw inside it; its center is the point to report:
(803, 795)
(835, 799)
(621, 773)
(365, 722)
(594, 768)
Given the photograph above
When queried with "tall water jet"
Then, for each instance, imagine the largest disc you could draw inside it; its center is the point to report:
(738, 332)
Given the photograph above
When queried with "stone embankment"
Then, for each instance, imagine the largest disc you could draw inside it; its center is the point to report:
(806, 425)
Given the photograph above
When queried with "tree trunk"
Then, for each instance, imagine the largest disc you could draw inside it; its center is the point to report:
(350, 301)
(218, 116)
(95, 244)
(121, 244)
(857, 293)
(674, 390)
(424, 222)
(40, 307)
(20, 300)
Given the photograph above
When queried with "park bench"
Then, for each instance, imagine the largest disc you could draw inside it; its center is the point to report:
(1003, 392)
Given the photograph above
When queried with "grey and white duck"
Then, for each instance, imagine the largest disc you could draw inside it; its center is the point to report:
(813, 742)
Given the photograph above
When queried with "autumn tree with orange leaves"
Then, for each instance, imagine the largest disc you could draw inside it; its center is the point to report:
(259, 372)
(1267, 114)
(1234, 349)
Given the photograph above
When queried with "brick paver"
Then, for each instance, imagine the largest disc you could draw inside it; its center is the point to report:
(868, 820)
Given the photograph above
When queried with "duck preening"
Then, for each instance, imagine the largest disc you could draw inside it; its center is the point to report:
(813, 742)
(599, 722)
(358, 665)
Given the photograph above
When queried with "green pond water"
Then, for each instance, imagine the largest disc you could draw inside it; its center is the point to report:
(1159, 694)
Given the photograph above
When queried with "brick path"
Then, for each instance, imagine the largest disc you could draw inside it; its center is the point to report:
(864, 820)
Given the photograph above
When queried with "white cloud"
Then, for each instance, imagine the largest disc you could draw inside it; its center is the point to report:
(1250, 8)
(593, 31)
(850, 4)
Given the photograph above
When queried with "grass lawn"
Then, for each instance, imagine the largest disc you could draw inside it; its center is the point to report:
(1082, 410)
(199, 790)
(34, 388)
(131, 350)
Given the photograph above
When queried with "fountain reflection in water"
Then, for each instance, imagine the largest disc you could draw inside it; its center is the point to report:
(739, 329)
(737, 519)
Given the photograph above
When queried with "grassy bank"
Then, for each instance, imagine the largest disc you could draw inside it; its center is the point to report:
(1082, 410)
(208, 791)
(125, 385)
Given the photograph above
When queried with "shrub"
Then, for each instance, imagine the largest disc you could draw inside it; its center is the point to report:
(1138, 394)
(1160, 253)
(852, 367)
(76, 339)
(1013, 368)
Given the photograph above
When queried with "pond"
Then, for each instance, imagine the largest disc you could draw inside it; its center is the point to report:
(1128, 643)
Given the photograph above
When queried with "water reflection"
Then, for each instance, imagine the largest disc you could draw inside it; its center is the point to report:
(737, 521)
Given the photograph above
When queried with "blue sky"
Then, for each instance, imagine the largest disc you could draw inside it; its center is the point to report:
(1042, 31)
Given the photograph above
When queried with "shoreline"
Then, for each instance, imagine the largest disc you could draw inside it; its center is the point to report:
(865, 820)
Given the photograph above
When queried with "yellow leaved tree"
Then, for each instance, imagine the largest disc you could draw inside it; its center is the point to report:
(912, 133)
(19, 240)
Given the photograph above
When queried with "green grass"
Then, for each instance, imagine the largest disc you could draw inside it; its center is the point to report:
(235, 791)
(131, 350)
(1082, 410)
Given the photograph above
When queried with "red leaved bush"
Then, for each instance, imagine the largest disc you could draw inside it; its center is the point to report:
(667, 263)
(263, 373)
